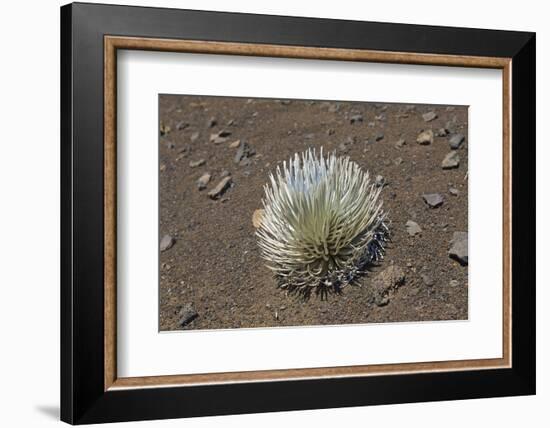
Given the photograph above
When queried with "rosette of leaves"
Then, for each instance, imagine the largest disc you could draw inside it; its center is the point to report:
(322, 224)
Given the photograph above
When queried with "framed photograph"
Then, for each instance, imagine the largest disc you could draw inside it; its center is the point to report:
(267, 213)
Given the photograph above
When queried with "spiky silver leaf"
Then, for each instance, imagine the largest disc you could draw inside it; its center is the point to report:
(323, 223)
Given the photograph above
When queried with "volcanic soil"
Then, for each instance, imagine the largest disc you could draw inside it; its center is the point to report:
(211, 272)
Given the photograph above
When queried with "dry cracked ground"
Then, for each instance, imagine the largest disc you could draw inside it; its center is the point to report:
(215, 154)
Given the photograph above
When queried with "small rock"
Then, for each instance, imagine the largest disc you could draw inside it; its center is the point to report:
(219, 137)
(257, 217)
(442, 132)
(451, 160)
(187, 314)
(181, 125)
(220, 188)
(381, 117)
(231, 122)
(203, 181)
(428, 117)
(170, 145)
(453, 283)
(309, 136)
(194, 164)
(425, 137)
(342, 147)
(433, 200)
(243, 152)
(379, 181)
(427, 280)
(194, 136)
(456, 141)
(400, 143)
(330, 131)
(212, 122)
(379, 136)
(224, 173)
(385, 282)
(398, 161)
(412, 228)
(453, 191)
(333, 108)
(459, 248)
(164, 129)
(356, 118)
(167, 242)
(235, 144)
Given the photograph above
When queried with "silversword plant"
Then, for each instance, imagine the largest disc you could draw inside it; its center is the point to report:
(323, 223)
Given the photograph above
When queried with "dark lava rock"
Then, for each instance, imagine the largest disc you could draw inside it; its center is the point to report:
(187, 314)
(459, 248)
(167, 242)
(433, 200)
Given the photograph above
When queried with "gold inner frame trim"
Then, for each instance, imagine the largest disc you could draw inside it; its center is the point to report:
(113, 43)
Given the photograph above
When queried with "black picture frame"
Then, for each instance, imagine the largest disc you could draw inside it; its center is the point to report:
(83, 398)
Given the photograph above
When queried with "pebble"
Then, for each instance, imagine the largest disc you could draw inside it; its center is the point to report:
(456, 141)
(164, 129)
(400, 143)
(442, 132)
(454, 191)
(428, 117)
(220, 188)
(330, 131)
(170, 145)
(451, 160)
(342, 147)
(398, 161)
(453, 283)
(379, 137)
(412, 228)
(194, 136)
(243, 152)
(219, 137)
(257, 217)
(379, 181)
(459, 248)
(167, 242)
(356, 118)
(194, 164)
(203, 181)
(235, 144)
(425, 137)
(428, 280)
(224, 173)
(181, 125)
(433, 200)
(187, 314)
(212, 122)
